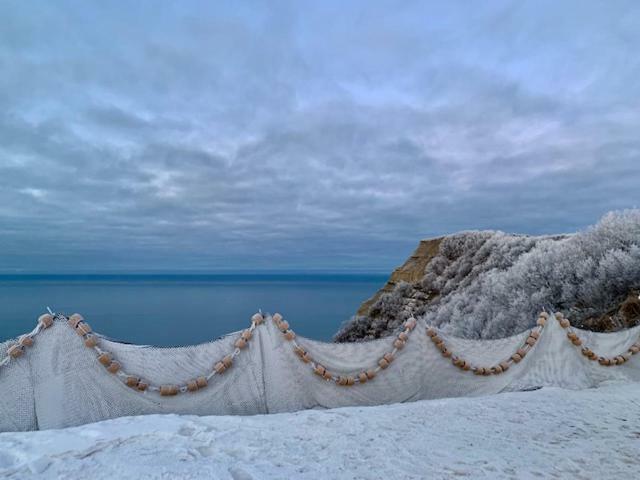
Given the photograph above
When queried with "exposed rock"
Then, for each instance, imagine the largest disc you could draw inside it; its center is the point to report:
(624, 315)
(411, 271)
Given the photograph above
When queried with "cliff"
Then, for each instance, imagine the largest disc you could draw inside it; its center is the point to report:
(411, 271)
(491, 284)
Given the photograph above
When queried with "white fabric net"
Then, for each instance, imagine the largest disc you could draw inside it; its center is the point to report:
(59, 383)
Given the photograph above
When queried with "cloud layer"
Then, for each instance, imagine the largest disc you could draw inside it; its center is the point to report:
(287, 136)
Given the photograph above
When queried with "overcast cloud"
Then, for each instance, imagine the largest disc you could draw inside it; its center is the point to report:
(306, 135)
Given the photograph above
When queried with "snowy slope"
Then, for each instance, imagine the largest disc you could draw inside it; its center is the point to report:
(549, 432)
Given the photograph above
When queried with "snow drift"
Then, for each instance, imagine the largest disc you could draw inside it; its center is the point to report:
(540, 434)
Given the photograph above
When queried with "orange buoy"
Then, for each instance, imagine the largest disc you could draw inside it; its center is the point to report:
(142, 385)
(132, 381)
(169, 390)
(105, 359)
(192, 386)
(201, 382)
(83, 329)
(383, 363)
(283, 325)
(46, 320)
(113, 367)
(75, 319)
(15, 351)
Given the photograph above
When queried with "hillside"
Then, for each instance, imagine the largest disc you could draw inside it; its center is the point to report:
(491, 284)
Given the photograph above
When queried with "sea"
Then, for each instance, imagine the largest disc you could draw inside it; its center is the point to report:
(184, 309)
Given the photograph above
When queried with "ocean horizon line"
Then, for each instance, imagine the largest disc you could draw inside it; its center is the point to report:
(199, 276)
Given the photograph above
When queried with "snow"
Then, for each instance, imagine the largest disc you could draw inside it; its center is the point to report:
(544, 433)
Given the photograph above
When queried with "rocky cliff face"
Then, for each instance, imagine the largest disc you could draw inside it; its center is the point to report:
(491, 284)
(411, 271)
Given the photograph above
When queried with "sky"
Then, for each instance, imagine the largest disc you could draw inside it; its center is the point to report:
(333, 136)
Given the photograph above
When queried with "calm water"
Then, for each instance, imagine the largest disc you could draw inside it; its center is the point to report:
(183, 309)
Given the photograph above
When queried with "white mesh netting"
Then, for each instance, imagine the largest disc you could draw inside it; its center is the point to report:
(58, 382)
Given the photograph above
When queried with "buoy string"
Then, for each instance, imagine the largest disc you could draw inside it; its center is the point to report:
(138, 383)
(587, 352)
(498, 368)
(357, 378)
(19, 347)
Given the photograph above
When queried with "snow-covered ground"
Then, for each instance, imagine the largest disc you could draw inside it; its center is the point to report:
(548, 433)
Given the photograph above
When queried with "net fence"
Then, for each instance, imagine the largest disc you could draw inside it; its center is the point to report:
(57, 379)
